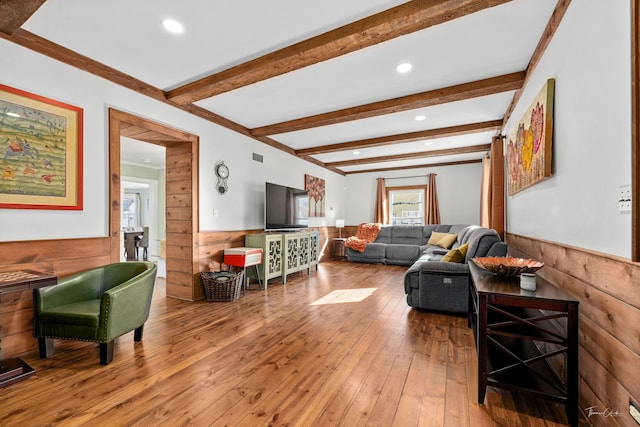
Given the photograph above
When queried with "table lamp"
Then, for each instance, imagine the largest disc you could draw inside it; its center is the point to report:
(340, 226)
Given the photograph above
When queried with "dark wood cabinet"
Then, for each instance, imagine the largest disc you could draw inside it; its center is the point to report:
(16, 320)
(339, 250)
(526, 340)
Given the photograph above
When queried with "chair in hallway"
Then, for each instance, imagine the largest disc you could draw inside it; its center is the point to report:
(143, 243)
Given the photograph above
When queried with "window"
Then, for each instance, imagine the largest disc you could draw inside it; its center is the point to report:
(302, 205)
(130, 210)
(406, 205)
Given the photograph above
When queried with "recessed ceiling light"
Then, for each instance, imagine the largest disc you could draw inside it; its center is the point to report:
(420, 118)
(405, 67)
(172, 26)
(12, 114)
(356, 152)
(146, 161)
(428, 143)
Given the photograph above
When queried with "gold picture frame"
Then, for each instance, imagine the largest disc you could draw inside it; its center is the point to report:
(529, 146)
(41, 157)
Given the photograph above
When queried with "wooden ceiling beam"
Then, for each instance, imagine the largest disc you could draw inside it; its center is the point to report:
(405, 137)
(428, 165)
(409, 156)
(14, 13)
(59, 53)
(484, 87)
(395, 22)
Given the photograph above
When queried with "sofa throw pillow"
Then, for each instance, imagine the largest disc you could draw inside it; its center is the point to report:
(435, 238)
(447, 241)
(457, 254)
(444, 240)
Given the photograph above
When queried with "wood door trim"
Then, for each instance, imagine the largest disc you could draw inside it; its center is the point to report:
(184, 253)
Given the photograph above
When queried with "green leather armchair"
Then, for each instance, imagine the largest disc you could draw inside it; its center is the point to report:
(96, 305)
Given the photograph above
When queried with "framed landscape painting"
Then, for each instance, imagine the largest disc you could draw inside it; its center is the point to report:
(41, 152)
(529, 146)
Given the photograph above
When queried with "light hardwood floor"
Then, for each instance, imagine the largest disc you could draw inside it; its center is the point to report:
(273, 358)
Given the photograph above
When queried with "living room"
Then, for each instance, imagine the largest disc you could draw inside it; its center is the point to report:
(571, 221)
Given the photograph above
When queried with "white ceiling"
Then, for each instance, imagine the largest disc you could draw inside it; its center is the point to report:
(128, 36)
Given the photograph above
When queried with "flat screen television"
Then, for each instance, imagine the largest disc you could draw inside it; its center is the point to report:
(285, 208)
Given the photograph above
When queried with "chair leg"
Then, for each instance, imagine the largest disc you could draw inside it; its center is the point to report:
(106, 352)
(137, 334)
(45, 345)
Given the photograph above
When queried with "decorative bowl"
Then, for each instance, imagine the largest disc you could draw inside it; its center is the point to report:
(508, 266)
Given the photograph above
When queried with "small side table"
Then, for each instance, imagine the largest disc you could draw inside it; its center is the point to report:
(13, 370)
(244, 257)
(339, 250)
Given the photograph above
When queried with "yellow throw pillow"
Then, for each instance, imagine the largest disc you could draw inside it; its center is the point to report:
(447, 240)
(435, 238)
(457, 254)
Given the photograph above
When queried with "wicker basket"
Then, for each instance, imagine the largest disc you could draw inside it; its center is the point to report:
(222, 285)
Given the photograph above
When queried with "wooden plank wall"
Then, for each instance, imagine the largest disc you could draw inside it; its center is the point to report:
(608, 289)
(60, 257)
(181, 221)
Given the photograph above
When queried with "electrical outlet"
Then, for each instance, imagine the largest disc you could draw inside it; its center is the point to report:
(624, 199)
(215, 212)
(634, 410)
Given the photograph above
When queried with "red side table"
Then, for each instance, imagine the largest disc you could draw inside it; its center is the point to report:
(244, 257)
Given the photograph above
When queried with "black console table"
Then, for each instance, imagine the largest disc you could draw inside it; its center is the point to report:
(11, 369)
(526, 341)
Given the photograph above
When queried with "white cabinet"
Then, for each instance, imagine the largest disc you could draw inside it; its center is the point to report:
(285, 253)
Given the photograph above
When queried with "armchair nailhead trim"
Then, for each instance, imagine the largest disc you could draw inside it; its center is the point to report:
(106, 316)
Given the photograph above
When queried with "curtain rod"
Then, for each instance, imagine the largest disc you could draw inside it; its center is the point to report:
(413, 176)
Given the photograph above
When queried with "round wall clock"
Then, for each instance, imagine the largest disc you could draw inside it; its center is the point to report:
(222, 172)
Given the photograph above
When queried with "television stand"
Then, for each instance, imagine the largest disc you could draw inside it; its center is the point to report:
(284, 253)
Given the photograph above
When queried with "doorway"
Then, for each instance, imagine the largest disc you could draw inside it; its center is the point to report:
(181, 197)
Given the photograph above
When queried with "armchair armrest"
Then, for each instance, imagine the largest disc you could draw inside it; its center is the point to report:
(82, 286)
(125, 307)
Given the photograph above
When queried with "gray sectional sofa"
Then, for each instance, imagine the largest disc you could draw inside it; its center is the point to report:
(430, 283)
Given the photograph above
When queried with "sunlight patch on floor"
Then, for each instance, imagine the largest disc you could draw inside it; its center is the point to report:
(344, 295)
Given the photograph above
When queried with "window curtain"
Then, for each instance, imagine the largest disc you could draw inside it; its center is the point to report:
(432, 213)
(492, 190)
(485, 193)
(138, 210)
(381, 213)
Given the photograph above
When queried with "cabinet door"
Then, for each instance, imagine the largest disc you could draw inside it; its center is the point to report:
(304, 251)
(313, 249)
(273, 263)
(292, 253)
(272, 250)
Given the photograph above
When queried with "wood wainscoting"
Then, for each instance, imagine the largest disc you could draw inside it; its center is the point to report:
(608, 289)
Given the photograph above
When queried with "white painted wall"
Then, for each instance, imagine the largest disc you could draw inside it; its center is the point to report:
(241, 208)
(589, 57)
(458, 192)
